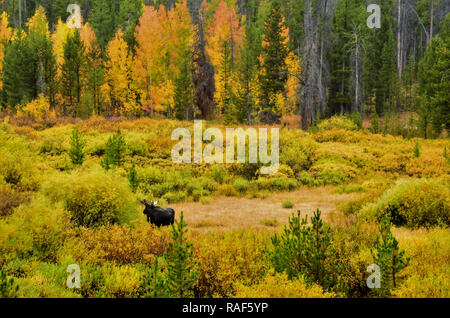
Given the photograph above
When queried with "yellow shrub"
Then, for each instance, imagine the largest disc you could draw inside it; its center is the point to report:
(228, 258)
(37, 109)
(338, 135)
(279, 286)
(120, 244)
(428, 272)
(121, 281)
(36, 229)
(95, 197)
(427, 166)
(413, 202)
(339, 122)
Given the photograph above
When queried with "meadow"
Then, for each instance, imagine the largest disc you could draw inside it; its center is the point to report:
(242, 235)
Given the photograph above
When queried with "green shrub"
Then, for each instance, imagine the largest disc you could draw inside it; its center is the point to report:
(349, 188)
(333, 173)
(218, 174)
(288, 204)
(174, 197)
(414, 203)
(269, 222)
(93, 198)
(37, 229)
(298, 154)
(241, 185)
(276, 184)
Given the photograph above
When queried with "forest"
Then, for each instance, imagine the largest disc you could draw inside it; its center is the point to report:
(359, 206)
(235, 61)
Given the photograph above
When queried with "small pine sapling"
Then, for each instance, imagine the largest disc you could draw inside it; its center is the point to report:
(416, 149)
(133, 178)
(388, 256)
(77, 144)
(115, 151)
(182, 272)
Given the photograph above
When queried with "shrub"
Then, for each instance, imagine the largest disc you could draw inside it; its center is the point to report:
(339, 122)
(227, 190)
(333, 173)
(241, 185)
(277, 285)
(413, 203)
(269, 222)
(10, 199)
(120, 281)
(36, 229)
(427, 273)
(276, 184)
(218, 174)
(349, 188)
(224, 263)
(288, 204)
(93, 198)
(426, 166)
(52, 145)
(38, 109)
(119, 244)
(175, 197)
(298, 154)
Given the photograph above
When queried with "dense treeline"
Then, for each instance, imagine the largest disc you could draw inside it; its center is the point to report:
(235, 60)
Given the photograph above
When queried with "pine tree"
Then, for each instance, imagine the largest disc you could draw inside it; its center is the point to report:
(133, 178)
(104, 19)
(375, 122)
(434, 83)
(306, 250)
(182, 270)
(20, 71)
(388, 256)
(115, 151)
(274, 52)
(73, 73)
(77, 144)
(184, 91)
(416, 149)
(8, 288)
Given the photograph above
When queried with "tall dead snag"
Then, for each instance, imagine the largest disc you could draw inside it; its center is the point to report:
(203, 70)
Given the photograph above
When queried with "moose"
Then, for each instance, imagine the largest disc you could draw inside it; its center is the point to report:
(157, 215)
